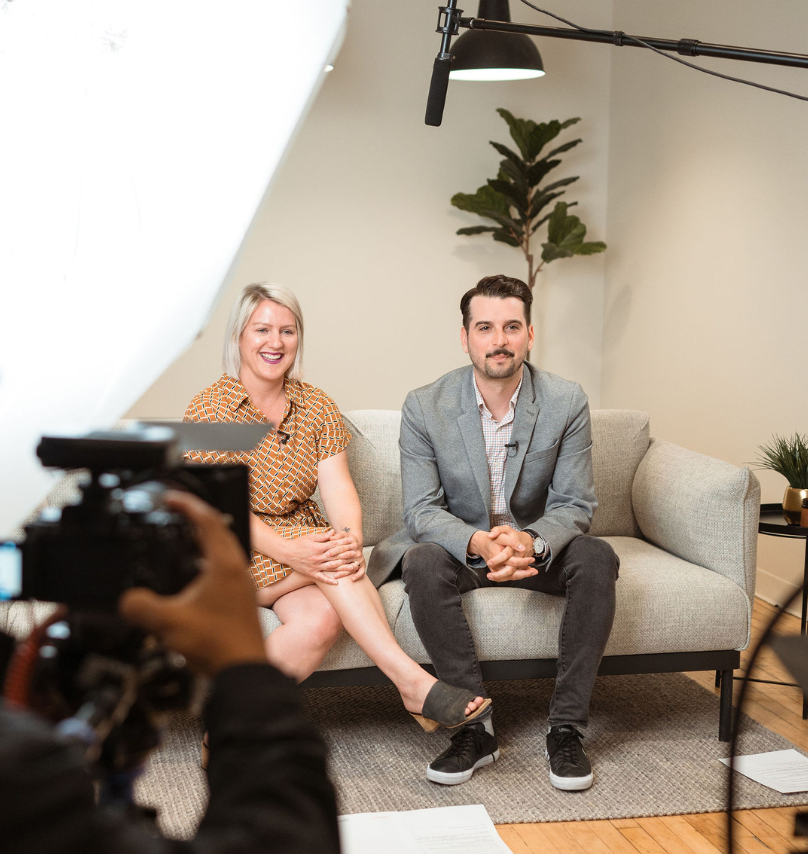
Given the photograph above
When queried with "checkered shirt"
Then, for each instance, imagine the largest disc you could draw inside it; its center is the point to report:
(497, 434)
(283, 475)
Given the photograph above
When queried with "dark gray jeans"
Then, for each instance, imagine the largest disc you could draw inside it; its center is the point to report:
(585, 572)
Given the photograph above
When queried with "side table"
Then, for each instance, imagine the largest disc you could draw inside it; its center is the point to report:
(773, 524)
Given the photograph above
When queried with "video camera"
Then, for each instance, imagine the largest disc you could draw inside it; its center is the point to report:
(101, 680)
(121, 534)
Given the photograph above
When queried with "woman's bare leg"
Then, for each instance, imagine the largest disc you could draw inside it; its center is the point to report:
(360, 609)
(269, 595)
(312, 623)
(310, 627)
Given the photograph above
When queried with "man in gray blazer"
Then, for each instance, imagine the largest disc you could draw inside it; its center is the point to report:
(496, 465)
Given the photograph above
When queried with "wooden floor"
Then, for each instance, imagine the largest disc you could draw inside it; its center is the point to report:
(754, 831)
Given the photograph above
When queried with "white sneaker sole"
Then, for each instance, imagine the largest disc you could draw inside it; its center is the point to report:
(455, 779)
(571, 784)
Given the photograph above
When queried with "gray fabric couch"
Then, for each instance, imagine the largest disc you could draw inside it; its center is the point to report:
(683, 524)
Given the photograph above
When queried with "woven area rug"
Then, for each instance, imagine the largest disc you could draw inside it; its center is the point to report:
(653, 742)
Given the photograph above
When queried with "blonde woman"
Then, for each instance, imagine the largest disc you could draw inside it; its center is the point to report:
(310, 570)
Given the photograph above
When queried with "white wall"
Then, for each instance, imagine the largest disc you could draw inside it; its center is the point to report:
(705, 322)
(707, 207)
(360, 226)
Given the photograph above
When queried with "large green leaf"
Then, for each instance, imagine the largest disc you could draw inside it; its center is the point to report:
(484, 199)
(565, 236)
(510, 190)
(510, 170)
(504, 221)
(591, 248)
(540, 201)
(504, 236)
(560, 223)
(540, 135)
(562, 148)
(544, 219)
(521, 130)
(511, 155)
(547, 195)
(551, 252)
(476, 229)
(539, 169)
(563, 182)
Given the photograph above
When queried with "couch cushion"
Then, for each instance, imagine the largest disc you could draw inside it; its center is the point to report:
(702, 509)
(376, 469)
(664, 604)
(620, 439)
(667, 604)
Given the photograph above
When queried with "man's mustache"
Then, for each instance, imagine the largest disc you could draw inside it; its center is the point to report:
(500, 352)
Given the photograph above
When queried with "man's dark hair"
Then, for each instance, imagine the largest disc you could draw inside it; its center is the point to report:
(501, 287)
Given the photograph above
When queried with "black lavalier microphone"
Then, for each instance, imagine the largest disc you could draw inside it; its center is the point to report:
(515, 446)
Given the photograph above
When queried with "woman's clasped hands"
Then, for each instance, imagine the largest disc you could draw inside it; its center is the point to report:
(327, 556)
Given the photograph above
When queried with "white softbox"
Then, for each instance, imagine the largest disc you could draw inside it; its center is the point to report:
(138, 141)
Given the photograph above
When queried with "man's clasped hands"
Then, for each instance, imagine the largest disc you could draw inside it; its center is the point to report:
(508, 553)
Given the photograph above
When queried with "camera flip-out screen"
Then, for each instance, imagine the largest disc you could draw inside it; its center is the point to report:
(10, 571)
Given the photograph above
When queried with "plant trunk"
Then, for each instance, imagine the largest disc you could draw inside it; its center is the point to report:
(537, 315)
(532, 271)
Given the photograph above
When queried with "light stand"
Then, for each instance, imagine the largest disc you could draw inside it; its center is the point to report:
(450, 20)
(792, 651)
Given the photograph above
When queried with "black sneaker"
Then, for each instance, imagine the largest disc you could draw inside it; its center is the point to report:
(569, 768)
(472, 748)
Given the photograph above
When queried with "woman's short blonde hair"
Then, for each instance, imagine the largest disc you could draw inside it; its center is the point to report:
(251, 297)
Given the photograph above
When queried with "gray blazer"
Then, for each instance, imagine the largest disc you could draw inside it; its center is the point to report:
(444, 471)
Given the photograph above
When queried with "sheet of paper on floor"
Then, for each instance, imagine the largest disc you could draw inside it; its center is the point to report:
(445, 830)
(785, 771)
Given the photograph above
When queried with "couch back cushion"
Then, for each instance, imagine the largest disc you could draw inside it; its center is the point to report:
(376, 470)
(620, 439)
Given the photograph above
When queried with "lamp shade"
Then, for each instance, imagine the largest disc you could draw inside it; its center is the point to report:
(485, 55)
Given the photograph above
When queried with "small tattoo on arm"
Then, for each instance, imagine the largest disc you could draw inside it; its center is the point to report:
(347, 530)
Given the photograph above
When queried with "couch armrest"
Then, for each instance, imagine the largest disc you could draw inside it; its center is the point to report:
(700, 509)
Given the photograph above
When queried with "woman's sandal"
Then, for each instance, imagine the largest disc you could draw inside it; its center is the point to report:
(446, 706)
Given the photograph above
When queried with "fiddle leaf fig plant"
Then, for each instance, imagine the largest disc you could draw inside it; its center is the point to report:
(516, 200)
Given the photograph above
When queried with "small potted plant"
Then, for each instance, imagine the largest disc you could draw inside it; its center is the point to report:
(789, 457)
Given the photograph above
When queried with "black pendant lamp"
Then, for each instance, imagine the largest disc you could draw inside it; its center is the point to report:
(486, 55)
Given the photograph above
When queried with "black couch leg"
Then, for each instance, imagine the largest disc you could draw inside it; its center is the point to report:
(725, 707)
(717, 678)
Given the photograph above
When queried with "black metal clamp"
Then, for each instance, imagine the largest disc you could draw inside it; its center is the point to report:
(687, 47)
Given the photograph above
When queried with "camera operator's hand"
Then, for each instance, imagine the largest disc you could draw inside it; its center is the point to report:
(213, 622)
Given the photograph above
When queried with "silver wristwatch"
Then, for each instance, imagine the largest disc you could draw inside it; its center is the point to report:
(540, 546)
